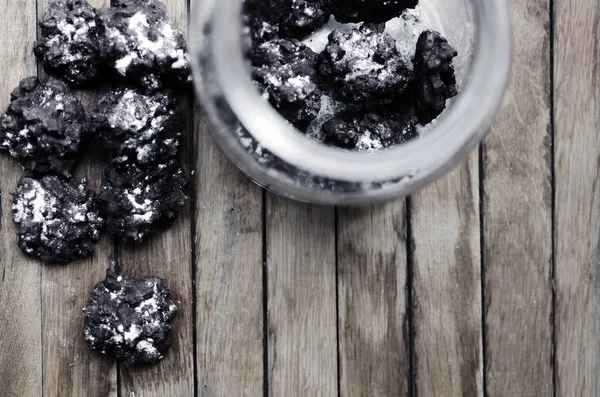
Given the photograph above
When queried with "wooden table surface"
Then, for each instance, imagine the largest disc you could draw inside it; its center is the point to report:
(485, 284)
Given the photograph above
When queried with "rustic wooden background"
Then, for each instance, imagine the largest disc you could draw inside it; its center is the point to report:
(485, 284)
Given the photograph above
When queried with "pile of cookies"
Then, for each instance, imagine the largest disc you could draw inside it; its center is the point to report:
(381, 95)
(133, 48)
(45, 127)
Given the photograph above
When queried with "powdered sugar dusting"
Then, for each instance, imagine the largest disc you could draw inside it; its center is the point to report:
(158, 42)
(37, 206)
(133, 112)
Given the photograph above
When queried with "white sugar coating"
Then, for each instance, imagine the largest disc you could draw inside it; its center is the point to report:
(132, 333)
(358, 54)
(299, 82)
(146, 346)
(181, 60)
(146, 217)
(148, 306)
(144, 205)
(302, 86)
(66, 28)
(265, 29)
(70, 32)
(143, 152)
(133, 111)
(366, 143)
(122, 64)
(36, 205)
(137, 38)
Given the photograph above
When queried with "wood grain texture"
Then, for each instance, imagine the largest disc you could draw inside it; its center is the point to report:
(517, 206)
(577, 213)
(373, 324)
(20, 312)
(229, 265)
(302, 344)
(447, 285)
(69, 367)
(168, 255)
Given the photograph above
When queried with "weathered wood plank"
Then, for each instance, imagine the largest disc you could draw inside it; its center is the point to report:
(373, 332)
(69, 368)
(20, 312)
(168, 255)
(229, 266)
(302, 343)
(447, 285)
(517, 219)
(577, 211)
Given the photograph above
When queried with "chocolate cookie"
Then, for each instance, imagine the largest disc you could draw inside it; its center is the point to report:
(43, 126)
(363, 68)
(57, 220)
(285, 72)
(142, 46)
(68, 45)
(146, 126)
(435, 81)
(137, 200)
(129, 317)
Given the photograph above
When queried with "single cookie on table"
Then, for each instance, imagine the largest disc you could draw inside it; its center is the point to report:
(68, 46)
(435, 81)
(43, 126)
(370, 11)
(147, 126)
(136, 200)
(363, 68)
(129, 317)
(142, 46)
(371, 131)
(285, 72)
(57, 220)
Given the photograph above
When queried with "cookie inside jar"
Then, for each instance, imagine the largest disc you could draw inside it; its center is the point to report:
(359, 75)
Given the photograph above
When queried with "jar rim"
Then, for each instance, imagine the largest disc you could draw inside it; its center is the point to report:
(455, 134)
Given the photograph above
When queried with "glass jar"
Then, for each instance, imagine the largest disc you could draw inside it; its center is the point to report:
(280, 158)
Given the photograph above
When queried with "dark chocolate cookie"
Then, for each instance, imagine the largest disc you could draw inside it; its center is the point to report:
(68, 46)
(142, 46)
(363, 68)
(371, 131)
(285, 72)
(370, 11)
(129, 317)
(43, 126)
(145, 126)
(435, 81)
(137, 200)
(57, 220)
